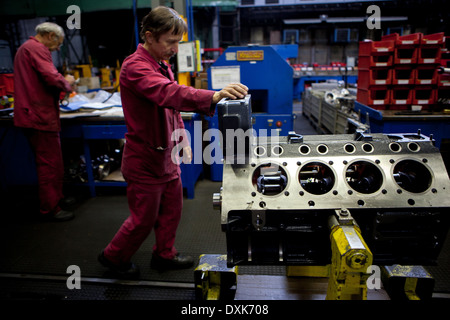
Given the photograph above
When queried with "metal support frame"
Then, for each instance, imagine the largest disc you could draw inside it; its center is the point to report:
(407, 282)
(213, 279)
(350, 259)
(347, 274)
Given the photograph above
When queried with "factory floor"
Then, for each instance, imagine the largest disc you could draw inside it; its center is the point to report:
(36, 256)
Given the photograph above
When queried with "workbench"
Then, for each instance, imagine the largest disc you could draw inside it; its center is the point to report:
(17, 165)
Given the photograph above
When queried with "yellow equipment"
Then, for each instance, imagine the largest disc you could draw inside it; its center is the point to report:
(350, 259)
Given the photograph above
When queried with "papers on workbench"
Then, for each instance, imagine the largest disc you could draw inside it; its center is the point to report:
(101, 100)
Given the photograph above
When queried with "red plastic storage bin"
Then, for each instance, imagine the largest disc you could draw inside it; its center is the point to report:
(433, 39)
(406, 40)
(376, 61)
(401, 96)
(409, 40)
(373, 77)
(403, 75)
(424, 95)
(445, 53)
(375, 54)
(426, 75)
(444, 80)
(429, 55)
(405, 55)
(368, 48)
(375, 97)
(7, 80)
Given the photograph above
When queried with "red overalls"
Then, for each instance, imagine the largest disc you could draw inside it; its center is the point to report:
(37, 86)
(151, 102)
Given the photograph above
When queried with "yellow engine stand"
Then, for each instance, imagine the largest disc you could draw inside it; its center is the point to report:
(350, 258)
(213, 279)
(347, 273)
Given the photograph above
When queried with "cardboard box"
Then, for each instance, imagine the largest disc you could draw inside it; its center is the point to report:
(91, 82)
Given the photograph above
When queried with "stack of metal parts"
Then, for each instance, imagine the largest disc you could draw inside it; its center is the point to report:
(329, 108)
(276, 206)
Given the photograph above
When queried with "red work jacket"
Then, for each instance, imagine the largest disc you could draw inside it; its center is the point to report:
(152, 102)
(37, 86)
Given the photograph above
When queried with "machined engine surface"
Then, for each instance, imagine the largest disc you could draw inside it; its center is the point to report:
(332, 172)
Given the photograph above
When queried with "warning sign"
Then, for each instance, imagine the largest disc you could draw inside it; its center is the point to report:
(251, 55)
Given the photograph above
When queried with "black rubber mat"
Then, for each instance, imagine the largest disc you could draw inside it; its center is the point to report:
(46, 290)
(30, 246)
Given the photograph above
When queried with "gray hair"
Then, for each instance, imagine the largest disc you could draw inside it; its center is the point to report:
(48, 27)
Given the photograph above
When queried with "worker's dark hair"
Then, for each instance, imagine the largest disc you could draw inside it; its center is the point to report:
(161, 20)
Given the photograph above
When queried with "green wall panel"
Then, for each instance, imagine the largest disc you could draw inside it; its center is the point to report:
(45, 8)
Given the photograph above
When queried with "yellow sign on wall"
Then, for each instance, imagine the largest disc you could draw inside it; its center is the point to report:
(251, 55)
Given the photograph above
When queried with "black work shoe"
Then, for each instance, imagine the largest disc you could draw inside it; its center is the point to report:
(60, 216)
(67, 202)
(126, 270)
(178, 262)
(63, 215)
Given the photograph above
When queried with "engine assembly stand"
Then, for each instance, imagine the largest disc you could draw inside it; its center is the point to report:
(347, 274)
(350, 259)
(213, 279)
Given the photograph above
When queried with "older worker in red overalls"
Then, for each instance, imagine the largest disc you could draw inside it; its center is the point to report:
(38, 85)
(152, 102)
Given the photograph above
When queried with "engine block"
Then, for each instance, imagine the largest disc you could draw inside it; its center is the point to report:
(275, 206)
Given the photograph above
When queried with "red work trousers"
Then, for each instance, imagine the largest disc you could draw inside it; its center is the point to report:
(46, 146)
(152, 206)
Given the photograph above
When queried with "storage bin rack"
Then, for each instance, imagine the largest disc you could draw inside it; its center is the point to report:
(428, 60)
(375, 73)
(444, 79)
(411, 79)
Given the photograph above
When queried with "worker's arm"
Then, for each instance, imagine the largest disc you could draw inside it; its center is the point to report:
(152, 85)
(166, 93)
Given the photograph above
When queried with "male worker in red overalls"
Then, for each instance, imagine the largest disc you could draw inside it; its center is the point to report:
(38, 85)
(152, 102)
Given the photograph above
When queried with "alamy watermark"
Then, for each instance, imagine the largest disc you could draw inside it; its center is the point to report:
(74, 20)
(74, 280)
(374, 280)
(373, 21)
(238, 142)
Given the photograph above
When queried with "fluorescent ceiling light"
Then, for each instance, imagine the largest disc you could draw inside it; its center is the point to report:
(340, 20)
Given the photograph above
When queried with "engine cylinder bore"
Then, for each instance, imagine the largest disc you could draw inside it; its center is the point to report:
(316, 178)
(364, 177)
(412, 176)
(269, 179)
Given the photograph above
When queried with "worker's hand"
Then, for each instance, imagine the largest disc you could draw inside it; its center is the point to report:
(232, 91)
(70, 79)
